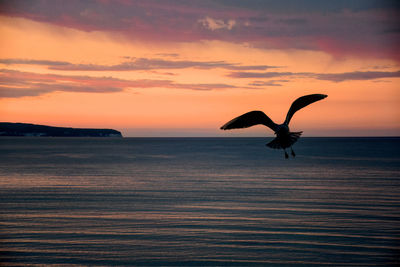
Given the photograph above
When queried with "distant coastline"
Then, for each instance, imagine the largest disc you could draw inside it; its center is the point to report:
(27, 129)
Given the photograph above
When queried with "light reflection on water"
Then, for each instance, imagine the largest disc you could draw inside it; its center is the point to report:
(199, 202)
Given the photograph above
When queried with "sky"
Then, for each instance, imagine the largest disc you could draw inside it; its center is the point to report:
(185, 68)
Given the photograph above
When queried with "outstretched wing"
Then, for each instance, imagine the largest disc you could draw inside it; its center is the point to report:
(249, 119)
(301, 102)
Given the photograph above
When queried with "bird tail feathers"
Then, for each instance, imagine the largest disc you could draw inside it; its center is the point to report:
(278, 143)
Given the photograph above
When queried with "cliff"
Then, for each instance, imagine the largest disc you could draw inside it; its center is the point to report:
(26, 129)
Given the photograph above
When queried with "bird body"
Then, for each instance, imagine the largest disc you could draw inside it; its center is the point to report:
(284, 137)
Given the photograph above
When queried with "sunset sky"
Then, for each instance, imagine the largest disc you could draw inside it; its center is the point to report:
(184, 68)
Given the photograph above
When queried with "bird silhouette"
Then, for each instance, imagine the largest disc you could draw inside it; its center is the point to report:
(284, 137)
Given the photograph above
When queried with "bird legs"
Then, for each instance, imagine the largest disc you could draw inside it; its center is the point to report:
(292, 152)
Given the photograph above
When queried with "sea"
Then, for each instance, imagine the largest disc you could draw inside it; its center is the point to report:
(199, 202)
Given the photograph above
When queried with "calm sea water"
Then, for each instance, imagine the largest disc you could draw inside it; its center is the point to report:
(199, 201)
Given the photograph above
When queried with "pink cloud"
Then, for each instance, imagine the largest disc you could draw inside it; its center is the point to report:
(19, 84)
(357, 28)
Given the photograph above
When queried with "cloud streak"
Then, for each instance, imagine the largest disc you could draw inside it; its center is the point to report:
(19, 61)
(14, 84)
(136, 64)
(357, 75)
(333, 77)
(268, 83)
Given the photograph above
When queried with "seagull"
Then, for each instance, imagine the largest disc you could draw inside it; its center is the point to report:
(284, 137)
